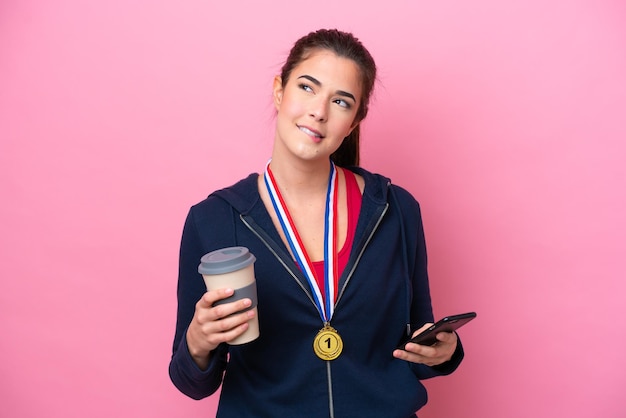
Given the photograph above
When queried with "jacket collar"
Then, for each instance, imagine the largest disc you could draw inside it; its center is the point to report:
(244, 195)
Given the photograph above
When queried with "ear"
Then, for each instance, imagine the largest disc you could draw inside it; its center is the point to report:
(277, 91)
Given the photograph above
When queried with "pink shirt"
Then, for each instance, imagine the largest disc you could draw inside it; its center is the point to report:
(353, 195)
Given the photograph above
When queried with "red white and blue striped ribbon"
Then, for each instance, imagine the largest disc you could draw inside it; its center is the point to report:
(324, 305)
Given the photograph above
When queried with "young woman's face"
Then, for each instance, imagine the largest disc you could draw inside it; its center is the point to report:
(317, 107)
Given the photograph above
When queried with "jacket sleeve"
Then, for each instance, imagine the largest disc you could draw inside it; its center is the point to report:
(416, 259)
(183, 371)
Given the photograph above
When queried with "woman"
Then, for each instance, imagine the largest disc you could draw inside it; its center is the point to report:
(366, 296)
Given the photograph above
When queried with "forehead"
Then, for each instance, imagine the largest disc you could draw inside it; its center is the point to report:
(331, 70)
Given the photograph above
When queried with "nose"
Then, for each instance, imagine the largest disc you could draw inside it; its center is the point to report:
(319, 110)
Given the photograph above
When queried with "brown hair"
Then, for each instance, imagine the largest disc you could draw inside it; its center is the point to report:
(344, 45)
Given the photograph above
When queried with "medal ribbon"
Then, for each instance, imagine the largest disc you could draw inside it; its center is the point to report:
(297, 249)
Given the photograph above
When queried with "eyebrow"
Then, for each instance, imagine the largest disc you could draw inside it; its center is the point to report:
(318, 83)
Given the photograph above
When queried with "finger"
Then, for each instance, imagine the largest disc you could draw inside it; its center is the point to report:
(229, 334)
(414, 358)
(423, 328)
(227, 310)
(225, 330)
(209, 298)
(429, 355)
(421, 350)
(233, 321)
(446, 346)
(447, 337)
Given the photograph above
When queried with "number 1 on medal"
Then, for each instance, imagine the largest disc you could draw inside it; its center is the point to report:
(327, 344)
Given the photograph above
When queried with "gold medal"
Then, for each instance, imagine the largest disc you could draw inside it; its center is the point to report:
(327, 344)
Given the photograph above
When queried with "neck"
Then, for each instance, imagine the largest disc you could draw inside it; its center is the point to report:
(302, 179)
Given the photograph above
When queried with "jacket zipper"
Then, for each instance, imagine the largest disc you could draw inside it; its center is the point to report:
(369, 238)
(264, 241)
(252, 228)
(293, 275)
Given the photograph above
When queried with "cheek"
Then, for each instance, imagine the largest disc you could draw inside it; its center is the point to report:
(344, 125)
(289, 107)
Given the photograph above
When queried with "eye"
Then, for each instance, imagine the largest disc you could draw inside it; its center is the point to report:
(342, 103)
(305, 87)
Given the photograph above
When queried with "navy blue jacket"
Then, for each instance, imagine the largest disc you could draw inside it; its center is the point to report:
(383, 295)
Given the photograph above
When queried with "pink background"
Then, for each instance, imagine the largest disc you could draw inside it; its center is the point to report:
(506, 119)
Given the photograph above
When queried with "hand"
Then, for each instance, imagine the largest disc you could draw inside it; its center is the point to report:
(434, 355)
(213, 325)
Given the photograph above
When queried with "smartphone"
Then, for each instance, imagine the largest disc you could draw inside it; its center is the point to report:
(447, 324)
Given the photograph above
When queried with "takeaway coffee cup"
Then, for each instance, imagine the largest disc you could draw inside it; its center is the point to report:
(233, 267)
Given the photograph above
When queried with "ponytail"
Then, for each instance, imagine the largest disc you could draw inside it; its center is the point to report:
(348, 152)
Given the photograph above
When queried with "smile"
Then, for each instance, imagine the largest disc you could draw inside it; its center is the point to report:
(310, 132)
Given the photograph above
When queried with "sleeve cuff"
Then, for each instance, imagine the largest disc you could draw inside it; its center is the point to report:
(454, 362)
(194, 370)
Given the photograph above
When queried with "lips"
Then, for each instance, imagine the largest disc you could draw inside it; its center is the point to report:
(311, 132)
